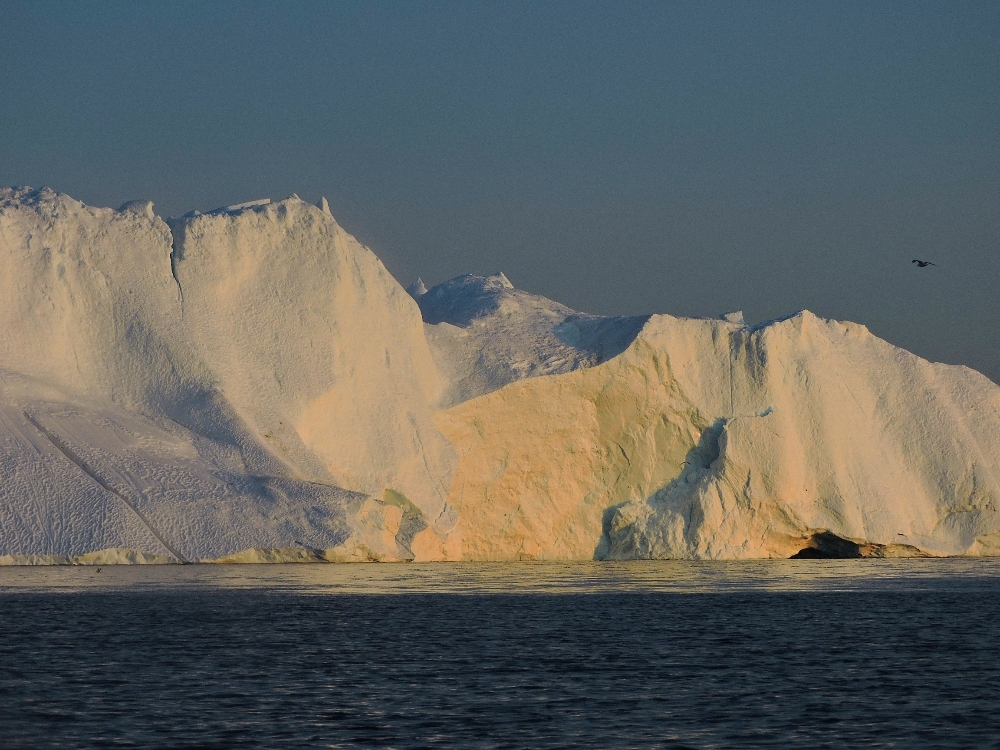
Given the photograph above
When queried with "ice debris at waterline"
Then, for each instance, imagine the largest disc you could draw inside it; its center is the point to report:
(251, 385)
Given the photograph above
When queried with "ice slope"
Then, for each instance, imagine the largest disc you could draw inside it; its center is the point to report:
(49, 505)
(253, 380)
(710, 439)
(87, 476)
(484, 334)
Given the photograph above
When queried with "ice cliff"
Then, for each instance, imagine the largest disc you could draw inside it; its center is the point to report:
(250, 384)
(250, 378)
(708, 439)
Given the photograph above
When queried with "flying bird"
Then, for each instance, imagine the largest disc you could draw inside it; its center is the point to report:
(923, 263)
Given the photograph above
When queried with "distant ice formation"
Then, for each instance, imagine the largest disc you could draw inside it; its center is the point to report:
(485, 334)
(250, 385)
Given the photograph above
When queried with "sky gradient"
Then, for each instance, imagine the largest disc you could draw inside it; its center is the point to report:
(622, 158)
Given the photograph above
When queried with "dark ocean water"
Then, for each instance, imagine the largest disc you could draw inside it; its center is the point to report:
(788, 654)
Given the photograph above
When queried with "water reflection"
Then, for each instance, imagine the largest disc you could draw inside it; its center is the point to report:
(525, 578)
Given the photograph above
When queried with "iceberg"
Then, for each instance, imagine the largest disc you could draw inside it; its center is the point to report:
(250, 384)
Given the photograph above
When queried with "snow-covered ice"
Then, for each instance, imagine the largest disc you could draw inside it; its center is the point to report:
(250, 384)
(485, 334)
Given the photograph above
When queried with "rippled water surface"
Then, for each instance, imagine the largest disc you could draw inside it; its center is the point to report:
(858, 653)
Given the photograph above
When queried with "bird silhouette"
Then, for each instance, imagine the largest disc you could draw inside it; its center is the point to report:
(923, 263)
(98, 570)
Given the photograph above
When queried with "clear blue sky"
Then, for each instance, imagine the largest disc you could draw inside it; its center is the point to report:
(690, 157)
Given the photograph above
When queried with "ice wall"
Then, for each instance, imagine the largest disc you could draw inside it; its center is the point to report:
(87, 301)
(709, 439)
(316, 347)
(252, 379)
